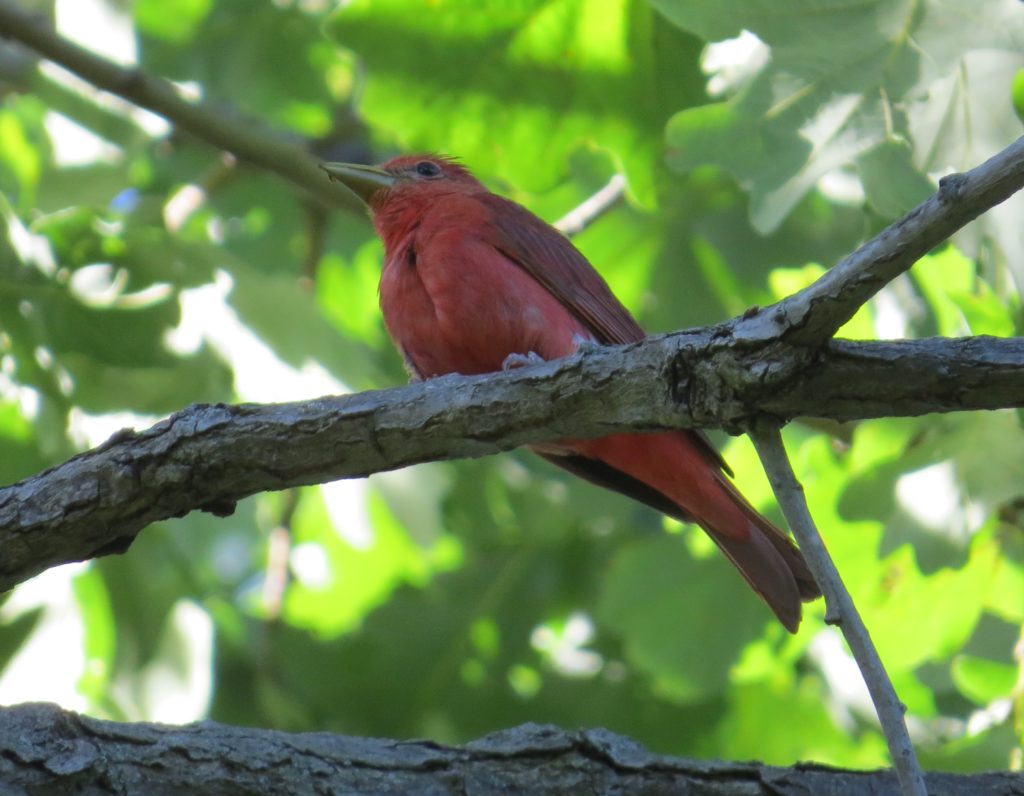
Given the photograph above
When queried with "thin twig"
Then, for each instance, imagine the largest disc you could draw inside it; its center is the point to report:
(588, 211)
(839, 607)
(277, 574)
(241, 137)
(813, 315)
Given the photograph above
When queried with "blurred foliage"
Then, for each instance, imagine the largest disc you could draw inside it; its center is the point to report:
(141, 270)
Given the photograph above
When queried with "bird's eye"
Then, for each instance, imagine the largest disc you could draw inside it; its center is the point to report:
(427, 168)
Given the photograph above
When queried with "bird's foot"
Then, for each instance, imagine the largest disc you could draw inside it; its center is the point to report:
(521, 360)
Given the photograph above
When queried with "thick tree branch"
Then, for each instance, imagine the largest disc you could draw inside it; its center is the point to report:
(241, 137)
(815, 314)
(853, 380)
(46, 749)
(208, 457)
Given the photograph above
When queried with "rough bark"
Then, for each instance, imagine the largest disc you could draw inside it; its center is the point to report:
(208, 457)
(45, 750)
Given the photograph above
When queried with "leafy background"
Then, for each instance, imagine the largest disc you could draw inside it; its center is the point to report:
(143, 270)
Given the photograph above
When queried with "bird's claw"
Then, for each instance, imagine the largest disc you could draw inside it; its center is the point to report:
(521, 360)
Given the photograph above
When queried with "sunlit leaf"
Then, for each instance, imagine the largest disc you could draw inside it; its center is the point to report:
(343, 572)
(175, 21)
(787, 281)
(808, 731)
(100, 634)
(981, 680)
(846, 84)
(514, 89)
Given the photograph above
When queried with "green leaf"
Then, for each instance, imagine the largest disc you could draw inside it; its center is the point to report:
(962, 301)
(100, 634)
(892, 182)
(14, 632)
(905, 635)
(662, 602)
(150, 389)
(801, 729)
(172, 20)
(1017, 92)
(1005, 595)
(983, 681)
(514, 89)
(286, 317)
(265, 59)
(358, 574)
(19, 451)
(24, 148)
(940, 275)
(347, 293)
(843, 81)
(787, 281)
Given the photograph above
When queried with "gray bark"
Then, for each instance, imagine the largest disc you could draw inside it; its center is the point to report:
(45, 750)
(207, 457)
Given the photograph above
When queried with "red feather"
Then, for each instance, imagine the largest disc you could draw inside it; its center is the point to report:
(470, 278)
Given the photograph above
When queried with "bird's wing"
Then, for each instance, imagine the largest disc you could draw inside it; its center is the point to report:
(552, 260)
(549, 257)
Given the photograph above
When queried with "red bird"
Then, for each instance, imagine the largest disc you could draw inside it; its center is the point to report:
(473, 282)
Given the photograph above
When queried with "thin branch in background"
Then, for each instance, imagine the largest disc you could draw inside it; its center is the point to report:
(839, 607)
(1017, 755)
(279, 548)
(582, 216)
(243, 138)
(316, 236)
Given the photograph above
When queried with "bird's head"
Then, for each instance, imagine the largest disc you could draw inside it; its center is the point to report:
(403, 177)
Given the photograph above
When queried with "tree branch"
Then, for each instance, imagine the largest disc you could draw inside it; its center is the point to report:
(243, 138)
(208, 457)
(815, 314)
(839, 606)
(46, 749)
(592, 208)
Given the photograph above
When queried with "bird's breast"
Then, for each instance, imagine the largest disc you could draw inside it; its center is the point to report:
(454, 304)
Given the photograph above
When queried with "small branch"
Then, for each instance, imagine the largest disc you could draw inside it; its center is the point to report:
(44, 749)
(840, 609)
(815, 314)
(242, 138)
(277, 573)
(588, 211)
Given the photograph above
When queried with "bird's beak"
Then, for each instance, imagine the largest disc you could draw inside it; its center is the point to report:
(363, 181)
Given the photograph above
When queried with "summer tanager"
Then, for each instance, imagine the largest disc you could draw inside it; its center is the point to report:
(473, 282)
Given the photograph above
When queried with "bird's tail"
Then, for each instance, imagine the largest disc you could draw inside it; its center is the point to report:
(674, 472)
(768, 560)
